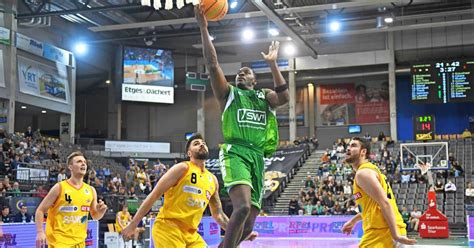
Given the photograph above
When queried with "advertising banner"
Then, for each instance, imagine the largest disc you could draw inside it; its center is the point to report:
(305, 226)
(24, 235)
(130, 146)
(4, 36)
(56, 54)
(282, 112)
(344, 104)
(43, 80)
(470, 227)
(209, 230)
(28, 44)
(147, 93)
(2, 70)
(33, 174)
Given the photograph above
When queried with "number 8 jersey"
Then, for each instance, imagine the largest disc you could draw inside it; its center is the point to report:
(67, 218)
(186, 201)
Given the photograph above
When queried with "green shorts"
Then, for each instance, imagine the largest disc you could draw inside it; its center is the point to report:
(243, 165)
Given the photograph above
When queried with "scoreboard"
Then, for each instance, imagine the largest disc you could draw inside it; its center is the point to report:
(443, 82)
(424, 127)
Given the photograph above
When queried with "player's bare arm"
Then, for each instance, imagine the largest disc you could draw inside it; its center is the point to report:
(216, 207)
(168, 180)
(219, 84)
(368, 181)
(47, 202)
(349, 225)
(98, 208)
(280, 95)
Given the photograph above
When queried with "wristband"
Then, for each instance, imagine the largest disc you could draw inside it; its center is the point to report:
(281, 88)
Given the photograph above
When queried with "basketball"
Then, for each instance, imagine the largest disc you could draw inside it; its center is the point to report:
(215, 10)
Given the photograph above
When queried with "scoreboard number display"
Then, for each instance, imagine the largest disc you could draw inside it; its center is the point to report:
(424, 127)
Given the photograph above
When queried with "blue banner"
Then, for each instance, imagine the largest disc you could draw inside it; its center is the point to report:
(24, 235)
(56, 54)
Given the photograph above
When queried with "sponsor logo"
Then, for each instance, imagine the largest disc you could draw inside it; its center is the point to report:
(252, 116)
(196, 202)
(73, 219)
(260, 95)
(210, 178)
(8, 239)
(86, 191)
(68, 209)
(85, 208)
(192, 190)
(208, 195)
(423, 226)
(357, 195)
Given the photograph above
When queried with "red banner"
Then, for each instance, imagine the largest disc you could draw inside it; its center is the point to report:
(372, 112)
(337, 94)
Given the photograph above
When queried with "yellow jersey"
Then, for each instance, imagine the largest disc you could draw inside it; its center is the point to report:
(372, 217)
(66, 224)
(186, 201)
(124, 219)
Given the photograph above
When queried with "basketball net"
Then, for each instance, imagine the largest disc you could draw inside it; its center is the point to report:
(168, 3)
(425, 169)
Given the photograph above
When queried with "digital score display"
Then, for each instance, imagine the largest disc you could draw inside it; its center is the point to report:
(424, 127)
(443, 82)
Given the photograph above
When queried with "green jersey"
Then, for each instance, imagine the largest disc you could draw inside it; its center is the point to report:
(248, 120)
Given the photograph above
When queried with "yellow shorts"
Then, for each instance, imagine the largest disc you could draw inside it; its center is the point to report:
(166, 234)
(59, 245)
(380, 238)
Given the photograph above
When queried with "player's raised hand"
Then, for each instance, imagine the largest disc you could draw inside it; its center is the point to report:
(347, 227)
(272, 52)
(405, 240)
(200, 17)
(101, 207)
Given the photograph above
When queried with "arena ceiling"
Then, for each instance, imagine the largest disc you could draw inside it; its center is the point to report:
(305, 22)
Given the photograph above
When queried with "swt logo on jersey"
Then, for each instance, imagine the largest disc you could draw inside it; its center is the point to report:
(252, 116)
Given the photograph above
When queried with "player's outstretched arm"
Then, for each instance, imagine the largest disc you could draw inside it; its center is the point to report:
(98, 207)
(367, 180)
(216, 208)
(169, 179)
(219, 84)
(47, 202)
(280, 95)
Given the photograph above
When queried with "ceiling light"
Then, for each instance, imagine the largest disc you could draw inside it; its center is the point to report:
(234, 4)
(290, 49)
(80, 48)
(248, 34)
(107, 81)
(43, 111)
(23, 107)
(388, 19)
(273, 31)
(334, 26)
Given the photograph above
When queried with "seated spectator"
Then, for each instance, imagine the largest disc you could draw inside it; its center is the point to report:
(23, 216)
(405, 177)
(449, 187)
(439, 187)
(40, 192)
(294, 207)
(309, 183)
(466, 134)
(315, 142)
(15, 190)
(381, 136)
(413, 178)
(318, 209)
(415, 216)
(406, 216)
(325, 158)
(347, 189)
(62, 175)
(368, 137)
(337, 210)
(6, 218)
(301, 212)
(458, 170)
(469, 193)
(28, 132)
(311, 193)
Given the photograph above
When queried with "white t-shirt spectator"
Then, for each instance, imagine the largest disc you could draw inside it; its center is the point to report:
(61, 177)
(450, 187)
(347, 190)
(470, 192)
(406, 178)
(415, 214)
(117, 180)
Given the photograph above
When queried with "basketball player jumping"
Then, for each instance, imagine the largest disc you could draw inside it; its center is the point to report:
(381, 221)
(250, 131)
(68, 205)
(188, 188)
